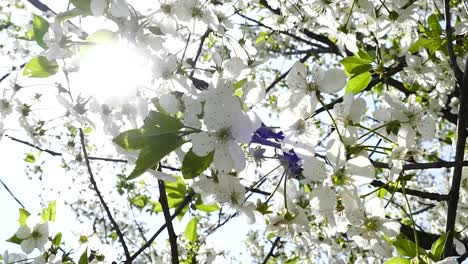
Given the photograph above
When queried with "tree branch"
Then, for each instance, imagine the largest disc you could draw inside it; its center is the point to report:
(101, 200)
(185, 202)
(459, 156)
(423, 166)
(168, 219)
(417, 193)
(448, 31)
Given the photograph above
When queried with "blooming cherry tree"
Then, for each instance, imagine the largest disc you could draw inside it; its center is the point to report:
(336, 128)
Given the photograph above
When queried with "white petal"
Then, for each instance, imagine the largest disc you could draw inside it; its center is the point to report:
(119, 8)
(406, 136)
(314, 169)
(296, 79)
(233, 67)
(237, 155)
(28, 245)
(23, 232)
(332, 81)
(98, 7)
(202, 144)
(361, 170)
(336, 153)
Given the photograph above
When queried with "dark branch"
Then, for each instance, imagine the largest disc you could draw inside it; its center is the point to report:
(168, 219)
(459, 156)
(179, 209)
(101, 199)
(449, 32)
(423, 166)
(420, 194)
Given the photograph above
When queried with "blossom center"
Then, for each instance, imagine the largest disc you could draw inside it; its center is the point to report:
(166, 9)
(371, 224)
(223, 135)
(339, 178)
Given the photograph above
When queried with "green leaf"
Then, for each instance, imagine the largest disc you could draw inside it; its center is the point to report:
(156, 124)
(40, 67)
(40, 27)
(358, 83)
(157, 148)
(84, 258)
(406, 247)
(193, 165)
(381, 193)
(207, 208)
(434, 26)
(68, 14)
(398, 260)
(155, 30)
(191, 230)
(365, 56)
(23, 216)
(261, 38)
(355, 65)
(57, 239)
(15, 240)
(157, 138)
(239, 84)
(50, 213)
(99, 37)
(421, 42)
(83, 5)
(437, 248)
(30, 158)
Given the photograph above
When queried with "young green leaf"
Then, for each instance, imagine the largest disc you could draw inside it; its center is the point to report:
(49, 213)
(15, 240)
(40, 67)
(398, 260)
(40, 27)
(57, 239)
(207, 208)
(30, 158)
(191, 230)
(23, 216)
(355, 65)
(193, 165)
(358, 83)
(84, 258)
(157, 148)
(83, 5)
(437, 248)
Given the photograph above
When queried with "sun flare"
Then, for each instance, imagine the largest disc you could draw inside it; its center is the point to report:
(113, 72)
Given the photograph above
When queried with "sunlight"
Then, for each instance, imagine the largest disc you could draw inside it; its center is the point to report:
(113, 72)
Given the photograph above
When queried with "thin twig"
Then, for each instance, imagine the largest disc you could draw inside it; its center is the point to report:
(11, 193)
(199, 51)
(282, 76)
(101, 199)
(272, 250)
(167, 218)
